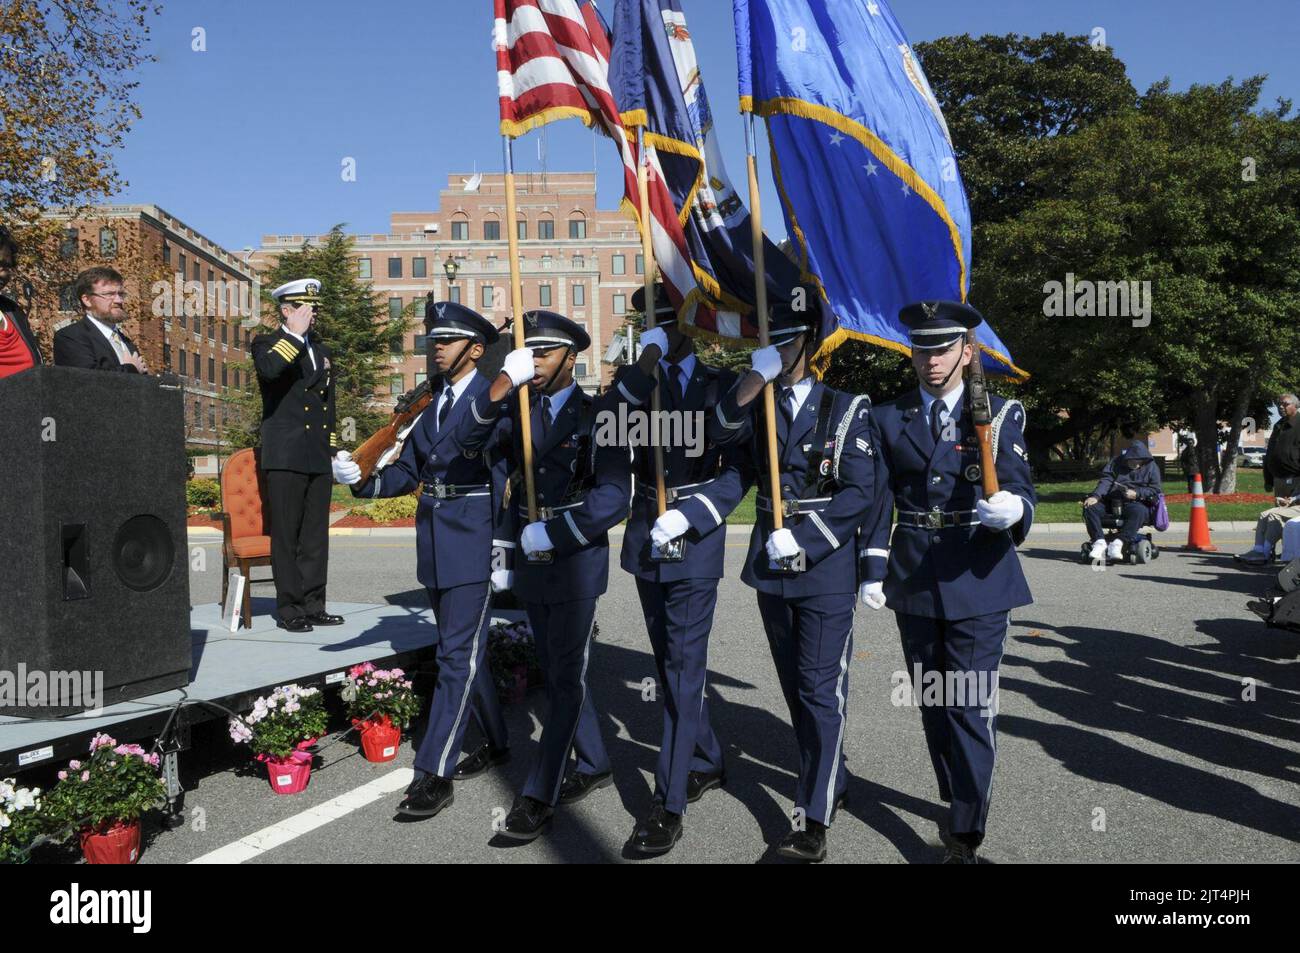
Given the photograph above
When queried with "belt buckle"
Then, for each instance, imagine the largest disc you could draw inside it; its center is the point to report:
(934, 519)
(545, 513)
(789, 507)
(439, 491)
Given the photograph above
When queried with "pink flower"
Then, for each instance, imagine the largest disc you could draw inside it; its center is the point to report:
(74, 765)
(152, 760)
(63, 775)
(85, 775)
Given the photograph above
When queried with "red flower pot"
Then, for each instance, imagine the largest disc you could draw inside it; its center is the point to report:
(288, 775)
(116, 843)
(379, 738)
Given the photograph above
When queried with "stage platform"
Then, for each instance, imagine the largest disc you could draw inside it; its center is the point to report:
(229, 670)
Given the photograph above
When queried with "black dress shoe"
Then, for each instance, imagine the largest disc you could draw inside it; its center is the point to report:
(700, 782)
(298, 624)
(426, 797)
(528, 819)
(323, 618)
(485, 757)
(578, 785)
(808, 845)
(958, 853)
(658, 832)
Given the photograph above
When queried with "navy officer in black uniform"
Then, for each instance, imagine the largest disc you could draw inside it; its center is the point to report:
(951, 573)
(806, 573)
(454, 540)
(300, 454)
(562, 560)
(678, 589)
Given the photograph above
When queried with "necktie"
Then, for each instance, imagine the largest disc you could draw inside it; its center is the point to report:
(546, 414)
(679, 380)
(119, 346)
(936, 419)
(787, 405)
(447, 398)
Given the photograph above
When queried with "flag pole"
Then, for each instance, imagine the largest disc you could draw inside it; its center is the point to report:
(760, 304)
(517, 312)
(648, 258)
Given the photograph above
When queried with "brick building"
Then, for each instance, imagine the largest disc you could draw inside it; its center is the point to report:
(576, 259)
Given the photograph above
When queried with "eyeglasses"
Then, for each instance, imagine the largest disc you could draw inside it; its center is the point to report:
(119, 295)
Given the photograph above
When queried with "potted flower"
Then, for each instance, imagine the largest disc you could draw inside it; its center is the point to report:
(381, 702)
(280, 729)
(104, 796)
(512, 656)
(21, 821)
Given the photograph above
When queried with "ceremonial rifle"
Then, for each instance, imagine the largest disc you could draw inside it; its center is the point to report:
(385, 444)
(981, 415)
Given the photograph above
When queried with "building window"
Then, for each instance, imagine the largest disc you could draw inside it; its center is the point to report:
(454, 296)
(197, 271)
(491, 231)
(225, 375)
(460, 231)
(67, 302)
(212, 370)
(212, 330)
(395, 385)
(617, 265)
(544, 296)
(212, 418)
(363, 267)
(68, 247)
(394, 309)
(580, 369)
(486, 295)
(523, 229)
(620, 304)
(225, 333)
(184, 369)
(419, 267)
(420, 378)
(198, 416)
(167, 253)
(236, 377)
(579, 262)
(640, 264)
(546, 229)
(107, 242)
(579, 295)
(577, 228)
(167, 355)
(180, 265)
(421, 345)
(394, 268)
(546, 262)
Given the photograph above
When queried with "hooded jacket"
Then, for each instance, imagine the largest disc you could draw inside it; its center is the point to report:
(1116, 477)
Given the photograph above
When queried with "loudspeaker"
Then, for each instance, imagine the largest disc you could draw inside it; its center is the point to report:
(95, 589)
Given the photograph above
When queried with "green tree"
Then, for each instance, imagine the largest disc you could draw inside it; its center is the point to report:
(352, 320)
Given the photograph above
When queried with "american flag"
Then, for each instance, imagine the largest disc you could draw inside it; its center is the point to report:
(553, 63)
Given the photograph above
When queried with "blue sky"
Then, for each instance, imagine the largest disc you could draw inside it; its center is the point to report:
(248, 137)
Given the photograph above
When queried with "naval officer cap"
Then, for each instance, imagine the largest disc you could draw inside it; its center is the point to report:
(789, 319)
(938, 324)
(544, 330)
(665, 313)
(447, 320)
(302, 291)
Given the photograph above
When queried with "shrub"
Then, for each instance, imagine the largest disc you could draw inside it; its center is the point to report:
(203, 494)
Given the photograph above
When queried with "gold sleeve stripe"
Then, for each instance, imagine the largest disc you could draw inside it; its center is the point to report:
(285, 350)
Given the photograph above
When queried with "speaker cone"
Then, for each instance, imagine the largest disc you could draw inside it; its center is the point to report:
(143, 553)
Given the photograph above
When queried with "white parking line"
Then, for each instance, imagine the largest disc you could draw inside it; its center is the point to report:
(268, 838)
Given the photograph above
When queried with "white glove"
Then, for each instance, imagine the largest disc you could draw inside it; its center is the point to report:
(1001, 511)
(502, 579)
(535, 539)
(781, 545)
(872, 594)
(518, 366)
(345, 471)
(657, 337)
(668, 527)
(767, 361)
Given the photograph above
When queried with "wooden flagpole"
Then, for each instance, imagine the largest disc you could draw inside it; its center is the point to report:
(648, 257)
(517, 311)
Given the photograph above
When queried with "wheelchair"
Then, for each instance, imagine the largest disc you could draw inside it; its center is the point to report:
(1142, 550)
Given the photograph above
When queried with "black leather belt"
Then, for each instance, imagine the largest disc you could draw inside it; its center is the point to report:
(793, 507)
(938, 519)
(548, 512)
(647, 491)
(452, 491)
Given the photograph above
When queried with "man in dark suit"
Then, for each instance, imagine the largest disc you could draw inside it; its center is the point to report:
(300, 451)
(18, 350)
(96, 342)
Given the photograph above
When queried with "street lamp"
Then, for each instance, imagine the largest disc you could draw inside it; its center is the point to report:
(451, 266)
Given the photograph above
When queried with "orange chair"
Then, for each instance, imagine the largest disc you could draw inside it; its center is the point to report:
(246, 541)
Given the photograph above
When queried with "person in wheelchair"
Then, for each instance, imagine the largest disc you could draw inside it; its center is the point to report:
(1125, 500)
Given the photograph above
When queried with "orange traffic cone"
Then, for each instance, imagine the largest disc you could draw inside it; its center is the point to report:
(1198, 530)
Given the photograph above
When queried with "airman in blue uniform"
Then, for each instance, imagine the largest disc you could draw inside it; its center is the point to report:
(454, 542)
(950, 572)
(806, 572)
(677, 558)
(561, 563)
